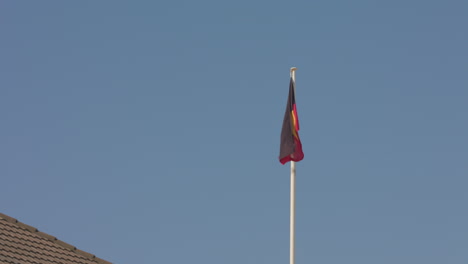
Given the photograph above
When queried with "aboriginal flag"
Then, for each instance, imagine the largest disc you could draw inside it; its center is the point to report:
(290, 146)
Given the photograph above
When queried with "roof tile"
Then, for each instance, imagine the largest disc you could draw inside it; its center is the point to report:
(21, 243)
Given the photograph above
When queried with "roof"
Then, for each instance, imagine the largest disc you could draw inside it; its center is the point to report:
(24, 244)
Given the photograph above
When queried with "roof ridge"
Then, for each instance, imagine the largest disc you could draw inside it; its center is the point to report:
(53, 239)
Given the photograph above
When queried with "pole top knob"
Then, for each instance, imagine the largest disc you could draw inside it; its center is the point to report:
(292, 72)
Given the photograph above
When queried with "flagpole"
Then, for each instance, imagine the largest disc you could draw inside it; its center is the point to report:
(292, 212)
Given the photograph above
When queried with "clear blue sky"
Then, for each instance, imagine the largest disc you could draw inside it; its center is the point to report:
(148, 131)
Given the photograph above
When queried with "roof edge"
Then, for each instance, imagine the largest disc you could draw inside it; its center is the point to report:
(53, 239)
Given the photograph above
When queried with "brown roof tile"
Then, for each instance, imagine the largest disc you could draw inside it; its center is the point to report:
(24, 244)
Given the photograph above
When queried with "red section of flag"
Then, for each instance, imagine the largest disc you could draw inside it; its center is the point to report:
(290, 146)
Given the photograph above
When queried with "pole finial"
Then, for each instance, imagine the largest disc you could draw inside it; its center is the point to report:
(292, 72)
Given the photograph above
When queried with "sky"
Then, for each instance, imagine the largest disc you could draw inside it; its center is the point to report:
(148, 131)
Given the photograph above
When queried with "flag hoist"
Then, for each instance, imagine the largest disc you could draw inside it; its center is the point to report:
(291, 151)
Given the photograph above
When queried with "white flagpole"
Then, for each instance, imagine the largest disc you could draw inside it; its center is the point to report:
(292, 212)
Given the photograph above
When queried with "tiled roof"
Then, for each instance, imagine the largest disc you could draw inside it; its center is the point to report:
(23, 244)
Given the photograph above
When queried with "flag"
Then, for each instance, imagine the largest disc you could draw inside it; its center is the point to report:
(290, 146)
